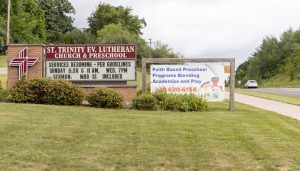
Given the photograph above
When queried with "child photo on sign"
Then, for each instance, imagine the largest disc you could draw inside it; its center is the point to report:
(216, 88)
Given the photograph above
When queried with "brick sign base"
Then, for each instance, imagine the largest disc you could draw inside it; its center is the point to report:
(38, 70)
(35, 71)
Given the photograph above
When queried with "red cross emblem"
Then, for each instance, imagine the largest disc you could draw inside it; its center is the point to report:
(23, 62)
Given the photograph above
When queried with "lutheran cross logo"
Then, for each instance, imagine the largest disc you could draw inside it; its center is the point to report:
(23, 62)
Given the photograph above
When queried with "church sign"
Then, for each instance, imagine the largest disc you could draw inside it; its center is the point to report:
(91, 62)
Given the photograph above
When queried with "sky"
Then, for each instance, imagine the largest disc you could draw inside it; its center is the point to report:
(206, 28)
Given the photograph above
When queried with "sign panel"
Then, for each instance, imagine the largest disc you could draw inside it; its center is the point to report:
(91, 62)
(109, 70)
(91, 52)
(206, 80)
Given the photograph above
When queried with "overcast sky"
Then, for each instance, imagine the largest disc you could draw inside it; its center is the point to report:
(206, 28)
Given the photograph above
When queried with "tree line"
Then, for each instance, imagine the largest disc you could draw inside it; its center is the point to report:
(51, 22)
(275, 56)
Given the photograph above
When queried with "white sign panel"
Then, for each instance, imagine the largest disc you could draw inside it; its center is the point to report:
(206, 80)
(87, 70)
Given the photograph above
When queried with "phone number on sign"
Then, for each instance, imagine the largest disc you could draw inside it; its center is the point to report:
(179, 89)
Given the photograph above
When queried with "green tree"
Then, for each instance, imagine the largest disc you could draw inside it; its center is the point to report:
(242, 72)
(292, 67)
(58, 19)
(116, 34)
(106, 14)
(77, 36)
(27, 21)
(162, 50)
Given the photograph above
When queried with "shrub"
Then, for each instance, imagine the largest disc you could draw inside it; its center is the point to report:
(61, 92)
(145, 102)
(45, 91)
(4, 95)
(161, 97)
(196, 103)
(21, 92)
(105, 98)
(183, 103)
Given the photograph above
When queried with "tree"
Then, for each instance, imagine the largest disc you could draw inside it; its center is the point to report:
(58, 19)
(292, 67)
(106, 14)
(116, 34)
(77, 36)
(27, 21)
(242, 72)
(162, 50)
(273, 57)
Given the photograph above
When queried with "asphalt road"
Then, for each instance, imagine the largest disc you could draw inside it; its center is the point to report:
(3, 70)
(284, 91)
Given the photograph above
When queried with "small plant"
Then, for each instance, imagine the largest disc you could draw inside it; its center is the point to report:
(61, 92)
(105, 98)
(145, 102)
(180, 102)
(45, 91)
(21, 92)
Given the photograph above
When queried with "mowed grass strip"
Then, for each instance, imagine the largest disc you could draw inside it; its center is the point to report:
(3, 62)
(41, 137)
(3, 79)
(271, 96)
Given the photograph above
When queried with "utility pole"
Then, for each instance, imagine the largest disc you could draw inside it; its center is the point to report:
(150, 42)
(8, 23)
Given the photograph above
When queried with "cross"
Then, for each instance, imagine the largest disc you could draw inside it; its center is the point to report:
(23, 62)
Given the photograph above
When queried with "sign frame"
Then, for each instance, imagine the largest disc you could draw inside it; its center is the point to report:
(146, 61)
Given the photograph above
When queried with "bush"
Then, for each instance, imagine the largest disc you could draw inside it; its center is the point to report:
(3, 93)
(45, 91)
(21, 92)
(61, 92)
(4, 97)
(145, 102)
(105, 98)
(161, 97)
(183, 103)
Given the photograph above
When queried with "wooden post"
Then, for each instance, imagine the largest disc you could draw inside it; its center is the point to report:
(144, 75)
(232, 85)
(8, 23)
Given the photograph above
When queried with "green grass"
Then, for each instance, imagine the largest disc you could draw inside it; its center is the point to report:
(281, 81)
(277, 97)
(3, 62)
(40, 137)
(3, 79)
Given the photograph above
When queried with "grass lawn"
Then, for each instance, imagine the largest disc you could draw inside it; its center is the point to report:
(40, 137)
(281, 81)
(3, 79)
(277, 97)
(3, 62)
